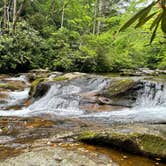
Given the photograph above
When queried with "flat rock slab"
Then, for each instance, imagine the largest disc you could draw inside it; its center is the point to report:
(58, 156)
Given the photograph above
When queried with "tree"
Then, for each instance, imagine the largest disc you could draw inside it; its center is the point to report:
(146, 14)
(11, 14)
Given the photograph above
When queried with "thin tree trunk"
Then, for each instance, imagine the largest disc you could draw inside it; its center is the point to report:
(94, 21)
(14, 10)
(18, 14)
(4, 14)
(100, 5)
(62, 16)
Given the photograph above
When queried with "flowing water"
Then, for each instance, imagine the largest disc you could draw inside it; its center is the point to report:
(150, 106)
(64, 99)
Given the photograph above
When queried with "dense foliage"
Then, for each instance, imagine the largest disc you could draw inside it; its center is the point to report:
(75, 35)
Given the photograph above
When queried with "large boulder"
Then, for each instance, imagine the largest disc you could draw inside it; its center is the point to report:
(122, 92)
(148, 140)
(69, 76)
(40, 86)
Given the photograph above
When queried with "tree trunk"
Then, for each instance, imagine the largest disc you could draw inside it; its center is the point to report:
(18, 15)
(14, 10)
(100, 5)
(62, 16)
(94, 19)
(4, 14)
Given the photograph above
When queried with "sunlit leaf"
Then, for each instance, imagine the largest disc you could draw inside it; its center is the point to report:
(155, 22)
(141, 14)
(146, 19)
(163, 21)
(155, 30)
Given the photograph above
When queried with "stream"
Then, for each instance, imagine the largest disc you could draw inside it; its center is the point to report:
(65, 100)
(79, 99)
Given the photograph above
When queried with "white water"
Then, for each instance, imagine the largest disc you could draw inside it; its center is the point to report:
(150, 106)
(63, 100)
(20, 78)
(16, 97)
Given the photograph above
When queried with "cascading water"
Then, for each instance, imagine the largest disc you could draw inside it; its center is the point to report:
(153, 94)
(15, 97)
(150, 106)
(63, 99)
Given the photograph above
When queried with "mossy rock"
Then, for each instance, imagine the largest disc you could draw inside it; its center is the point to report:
(34, 84)
(120, 86)
(148, 140)
(4, 95)
(13, 85)
(60, 78)
(69, 76)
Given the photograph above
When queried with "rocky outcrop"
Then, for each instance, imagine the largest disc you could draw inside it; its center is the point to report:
(34, 85)
(142, 72)
(148, 140)
(122, 92)
(40, 86)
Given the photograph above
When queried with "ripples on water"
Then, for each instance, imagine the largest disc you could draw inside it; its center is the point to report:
(63, 100)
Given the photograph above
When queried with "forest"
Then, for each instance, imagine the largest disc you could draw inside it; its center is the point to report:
(77, 35)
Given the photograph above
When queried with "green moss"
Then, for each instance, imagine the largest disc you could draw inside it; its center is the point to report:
(119, 86)
(152, 144)
(34, 85)
(60, 78)
(10, 86)
(87, 135)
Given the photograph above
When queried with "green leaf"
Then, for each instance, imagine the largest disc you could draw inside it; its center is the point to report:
(163, 21)
(146, 19)
(157, 19)
(141, 14)
(156, 27)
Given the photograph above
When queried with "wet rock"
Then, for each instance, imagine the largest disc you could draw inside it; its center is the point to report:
(130, 72)
(120, 86)
(34, 85)
(13, 85)
(3, 76)
(41, 89)
(139, 72)
(6, 139)
(90, 108)
(3, 95)
(3, 98)
(122, 92)
(57, 156)
(148, 140)
(69, 76)
(37, 73)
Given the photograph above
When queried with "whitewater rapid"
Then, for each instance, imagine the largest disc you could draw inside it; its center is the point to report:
(63, 100)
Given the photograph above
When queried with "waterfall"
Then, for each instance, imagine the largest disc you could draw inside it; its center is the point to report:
(63, 98)
(150, 107)
(153, 94)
